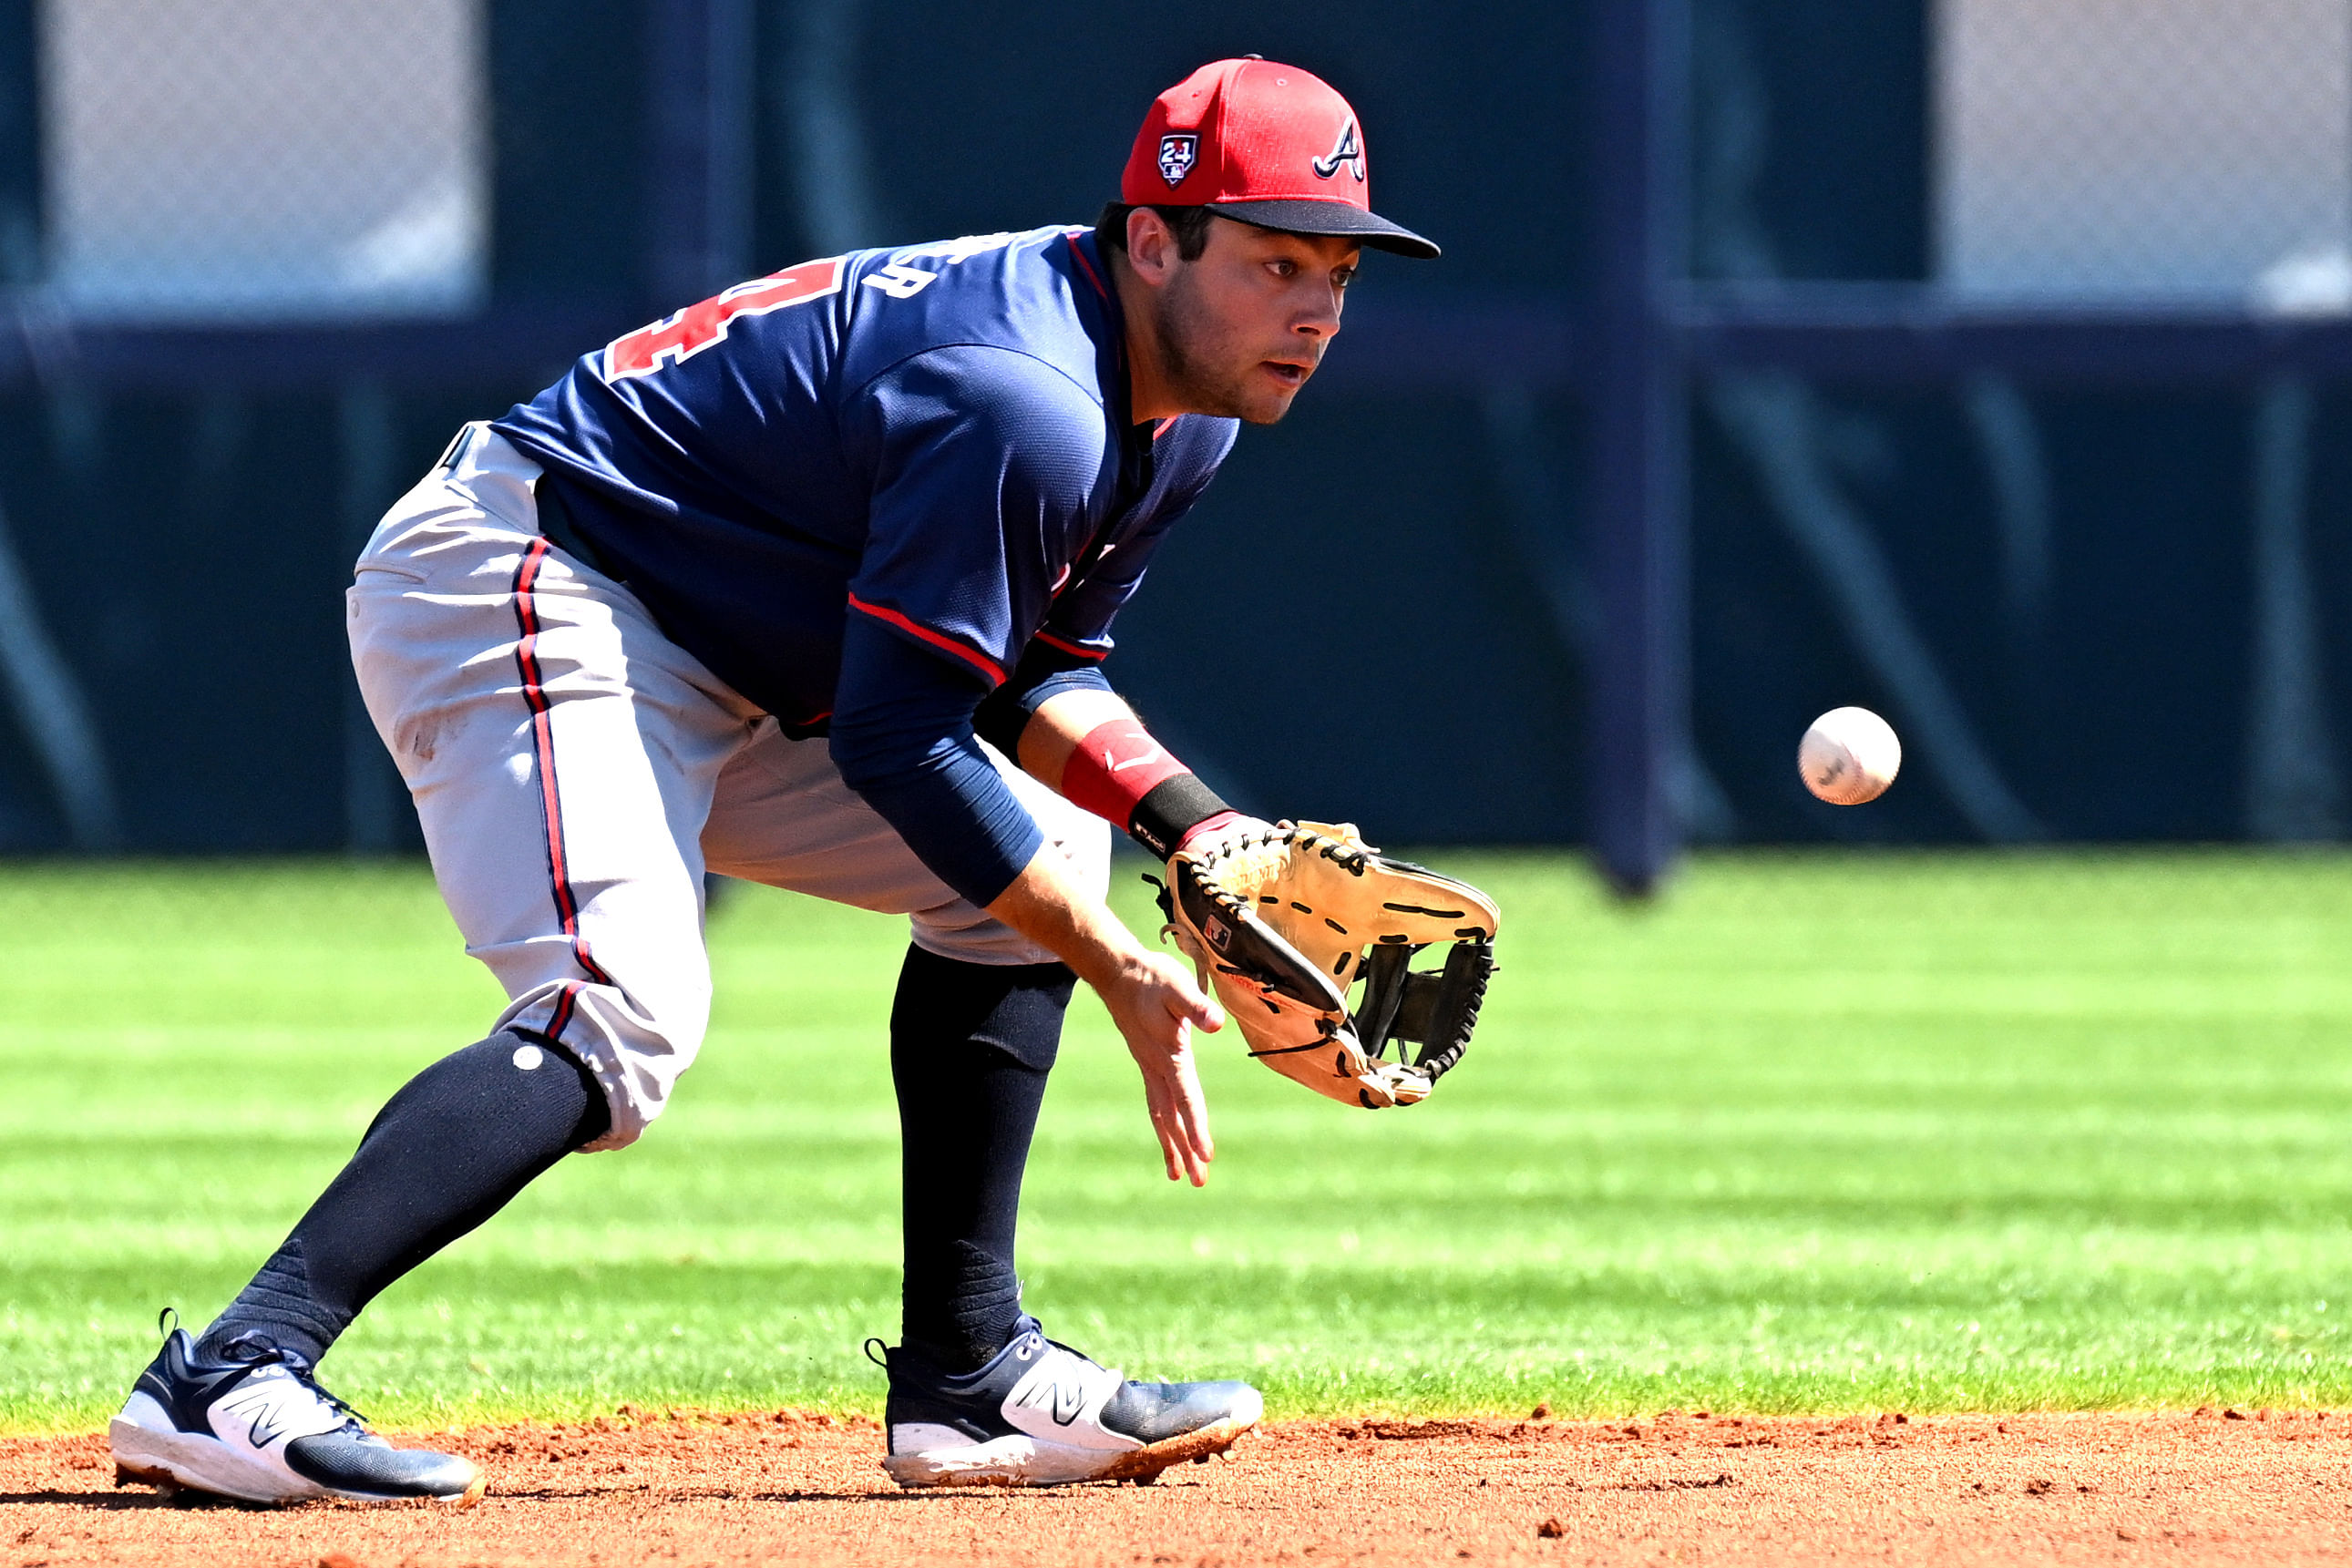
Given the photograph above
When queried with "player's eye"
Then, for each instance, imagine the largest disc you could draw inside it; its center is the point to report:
(1342, 276)
(1284, 268)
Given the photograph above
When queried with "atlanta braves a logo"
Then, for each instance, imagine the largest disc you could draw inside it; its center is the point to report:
(1176, 155)
(1348, 150)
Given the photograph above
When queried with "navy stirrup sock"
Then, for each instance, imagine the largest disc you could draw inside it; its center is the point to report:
(970, 1046)
(448, 1150)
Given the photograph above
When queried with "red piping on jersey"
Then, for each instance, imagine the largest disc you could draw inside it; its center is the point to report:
(1162, 428)
(1086, 266)
(981, 662)
(562, 1013)
(1053, 641)
(542, 744)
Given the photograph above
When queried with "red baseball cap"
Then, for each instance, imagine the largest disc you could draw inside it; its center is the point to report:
(1269, 145)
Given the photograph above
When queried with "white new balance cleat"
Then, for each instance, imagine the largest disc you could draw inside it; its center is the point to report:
(253, 1426)
(1041, 1414)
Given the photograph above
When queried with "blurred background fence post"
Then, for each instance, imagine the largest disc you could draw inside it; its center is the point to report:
(701, 63)
(1639, 459)
(368, 461)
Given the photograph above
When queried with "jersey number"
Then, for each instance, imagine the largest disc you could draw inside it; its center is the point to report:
(695, 328)
(900, 281)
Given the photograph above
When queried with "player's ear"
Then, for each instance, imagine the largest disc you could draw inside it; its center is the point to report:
(1151, 248)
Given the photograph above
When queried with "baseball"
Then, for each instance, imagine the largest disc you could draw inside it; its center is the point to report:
(1849, 755)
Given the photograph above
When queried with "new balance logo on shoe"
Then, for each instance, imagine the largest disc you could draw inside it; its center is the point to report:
(258, 1408)
(1062, 1401)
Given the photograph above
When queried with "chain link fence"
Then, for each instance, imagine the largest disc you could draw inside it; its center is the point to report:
(2119, 151)
(2097, 605)
(266, 160)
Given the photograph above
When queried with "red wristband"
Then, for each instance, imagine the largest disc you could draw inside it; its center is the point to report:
(1115, 765)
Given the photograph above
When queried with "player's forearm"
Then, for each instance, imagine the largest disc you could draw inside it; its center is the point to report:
(1055, 731)
(1046, 904)
(1091, 750)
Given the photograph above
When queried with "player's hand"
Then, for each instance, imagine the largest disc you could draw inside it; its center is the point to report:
(1230, 825)
(1157, 1006)
(1150, 997)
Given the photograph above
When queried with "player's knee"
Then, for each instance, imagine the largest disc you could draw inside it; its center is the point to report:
(635, 1052)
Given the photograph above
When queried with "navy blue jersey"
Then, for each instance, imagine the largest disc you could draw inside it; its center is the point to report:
(935, 437)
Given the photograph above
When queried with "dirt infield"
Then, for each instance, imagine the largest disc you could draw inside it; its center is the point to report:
(2212, 1487)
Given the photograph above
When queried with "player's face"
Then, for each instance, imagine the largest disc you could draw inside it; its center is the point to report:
(1242, 326)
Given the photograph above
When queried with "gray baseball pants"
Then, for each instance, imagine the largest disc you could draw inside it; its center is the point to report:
(576, 772)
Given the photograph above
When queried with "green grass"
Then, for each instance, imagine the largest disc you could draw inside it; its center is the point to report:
(1815, 1132)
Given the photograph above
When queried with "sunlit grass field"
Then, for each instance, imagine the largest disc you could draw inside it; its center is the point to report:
(1813, 1132)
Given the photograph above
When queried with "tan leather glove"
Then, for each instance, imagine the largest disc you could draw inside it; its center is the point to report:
(1286, 919)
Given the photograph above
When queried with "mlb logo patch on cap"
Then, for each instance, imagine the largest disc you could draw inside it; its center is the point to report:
(1267, 144)
(1176, 156)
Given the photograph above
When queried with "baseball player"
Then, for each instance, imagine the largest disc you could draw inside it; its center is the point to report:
(811, 584)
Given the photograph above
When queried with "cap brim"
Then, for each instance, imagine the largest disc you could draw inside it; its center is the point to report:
(1330, 218)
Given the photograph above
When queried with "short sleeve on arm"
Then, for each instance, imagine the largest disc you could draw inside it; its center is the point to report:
(988, 468)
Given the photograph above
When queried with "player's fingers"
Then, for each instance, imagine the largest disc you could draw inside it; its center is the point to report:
(1196, 1117)
(1189, 1118)
(1172, 1119)
(1189, 1005)
(1187, 1163)
(1193, 1114)
(1163, 1123)
(1196, 1159)
(1172, 1092)
(1176, 1140)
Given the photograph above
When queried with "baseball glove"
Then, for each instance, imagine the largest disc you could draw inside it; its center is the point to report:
(1279, 920)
